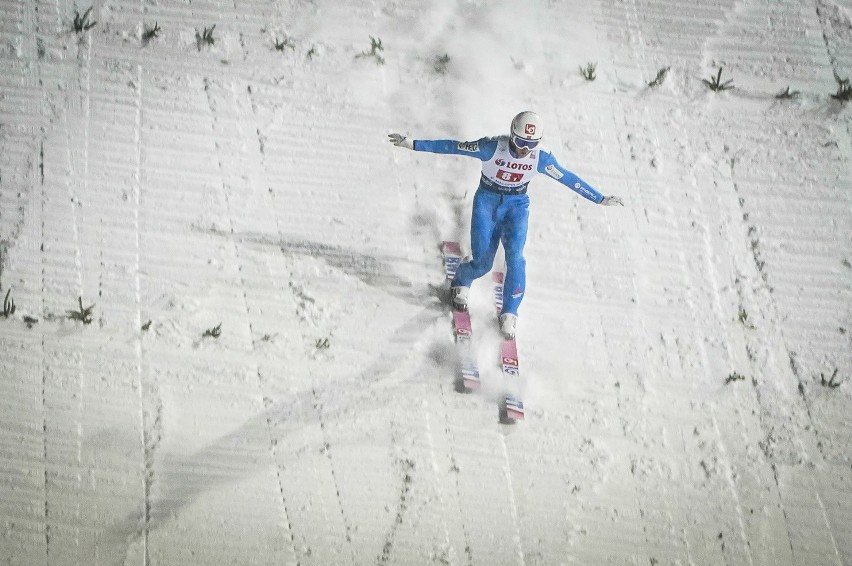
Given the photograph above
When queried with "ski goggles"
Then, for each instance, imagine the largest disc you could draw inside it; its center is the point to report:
(528, 144)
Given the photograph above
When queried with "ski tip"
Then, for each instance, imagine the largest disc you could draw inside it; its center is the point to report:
(507, 418)
(511, 410)
(466, 386)
(515, 416)
(470, 377)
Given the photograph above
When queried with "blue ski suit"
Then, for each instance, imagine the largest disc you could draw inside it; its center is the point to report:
(501, 207)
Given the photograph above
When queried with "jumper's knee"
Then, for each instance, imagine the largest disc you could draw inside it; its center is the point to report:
(479, 267)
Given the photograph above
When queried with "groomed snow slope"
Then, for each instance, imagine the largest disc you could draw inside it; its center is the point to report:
(177, 186)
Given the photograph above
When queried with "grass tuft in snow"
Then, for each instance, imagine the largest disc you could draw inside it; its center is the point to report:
(281, 44)
(375, 48)
(734, 376)
(214, 332)
(661, 77)
(787, 94)
(742, 316)
(844, 90)
(84, 315)
(8, 305)
(323, 344)
(311, 52)
(715, 83)
(589, 71)
(205, 37)
(831, 382)
(442, 64)
(82, 23)
(151, 33)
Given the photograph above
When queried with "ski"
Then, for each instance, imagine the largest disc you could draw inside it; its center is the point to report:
(512, 407)
(468, 378)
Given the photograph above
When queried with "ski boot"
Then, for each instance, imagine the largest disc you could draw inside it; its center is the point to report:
(508, 321)
(459, 295)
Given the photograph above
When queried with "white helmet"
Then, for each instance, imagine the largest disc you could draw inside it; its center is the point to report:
(527, 125)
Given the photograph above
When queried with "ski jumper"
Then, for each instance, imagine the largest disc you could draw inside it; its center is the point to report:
(501, 207)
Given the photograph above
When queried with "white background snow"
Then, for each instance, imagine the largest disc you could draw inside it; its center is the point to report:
(177, 188)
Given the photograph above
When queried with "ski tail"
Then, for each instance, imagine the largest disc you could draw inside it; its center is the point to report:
(514, 406)
(511, 406)
(469, 371)
(467, 379)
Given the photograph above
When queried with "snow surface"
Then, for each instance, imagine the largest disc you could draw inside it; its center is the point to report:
(189, 186)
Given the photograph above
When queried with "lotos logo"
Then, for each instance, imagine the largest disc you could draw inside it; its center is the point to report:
(513, 165)
(529, 129)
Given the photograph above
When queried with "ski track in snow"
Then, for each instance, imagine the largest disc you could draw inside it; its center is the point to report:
(178, 186)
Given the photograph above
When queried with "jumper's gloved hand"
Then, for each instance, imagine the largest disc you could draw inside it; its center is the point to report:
(401, 141)
(612, 201)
